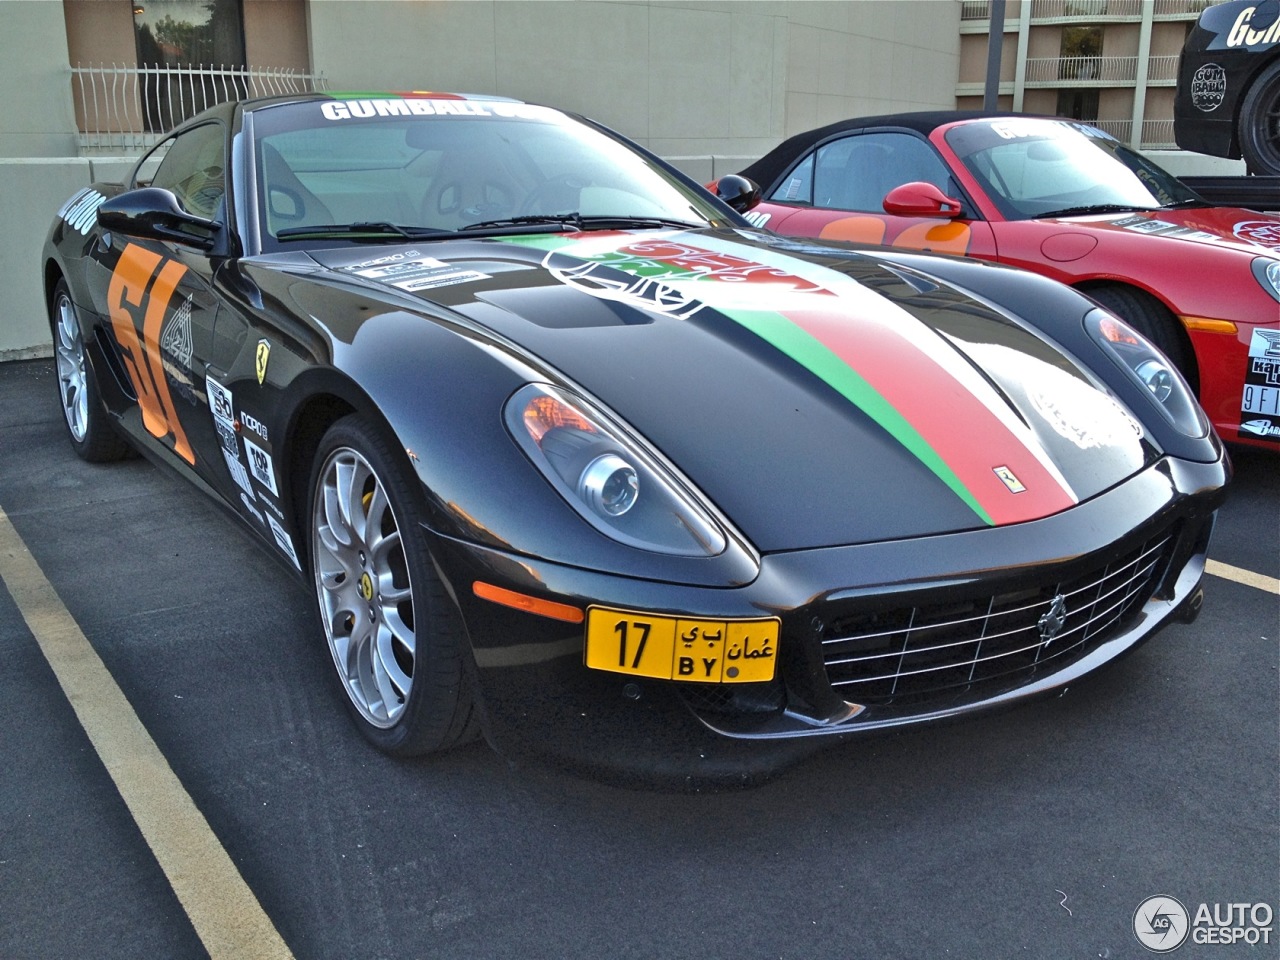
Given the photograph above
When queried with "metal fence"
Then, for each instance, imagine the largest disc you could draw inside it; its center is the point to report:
(127, 107)
(1097, 71)
(1087, 9)
(1156, 134)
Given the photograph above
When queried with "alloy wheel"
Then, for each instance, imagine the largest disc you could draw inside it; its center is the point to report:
(364, 588)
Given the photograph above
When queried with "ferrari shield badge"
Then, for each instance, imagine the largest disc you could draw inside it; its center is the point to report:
(264, 354)
(1008, 478)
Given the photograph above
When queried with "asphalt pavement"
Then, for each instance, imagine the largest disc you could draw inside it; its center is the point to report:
(1033, 833)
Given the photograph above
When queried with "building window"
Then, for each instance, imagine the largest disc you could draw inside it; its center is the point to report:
(1078, 104)
(195, 35)
(189, 33)
(1080, 53)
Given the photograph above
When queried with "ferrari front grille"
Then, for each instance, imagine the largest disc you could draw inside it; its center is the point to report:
(973, 646)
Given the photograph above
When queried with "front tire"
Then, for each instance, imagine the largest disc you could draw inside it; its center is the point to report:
(88, 424)
(1259, 130)
(396, 639)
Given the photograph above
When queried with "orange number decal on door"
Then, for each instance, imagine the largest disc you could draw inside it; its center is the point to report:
(126, 296)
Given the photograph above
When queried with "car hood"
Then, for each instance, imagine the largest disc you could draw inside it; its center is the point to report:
(1223, 227)
(816, 398)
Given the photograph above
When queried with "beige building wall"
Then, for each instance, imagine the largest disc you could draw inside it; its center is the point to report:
(37, 121)
(682, 77)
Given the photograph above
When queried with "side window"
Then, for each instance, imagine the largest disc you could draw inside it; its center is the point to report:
(194, 169)
(798, 186)
(855, 173)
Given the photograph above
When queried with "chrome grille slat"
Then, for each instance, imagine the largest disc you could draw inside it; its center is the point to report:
(915, 653)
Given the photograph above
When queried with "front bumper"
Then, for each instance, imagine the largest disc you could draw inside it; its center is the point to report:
(874, 636)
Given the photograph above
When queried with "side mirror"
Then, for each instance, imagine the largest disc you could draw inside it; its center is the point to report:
(738, 192)
(155, 214)
(919, 199)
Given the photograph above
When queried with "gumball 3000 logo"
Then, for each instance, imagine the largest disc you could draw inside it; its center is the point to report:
(1265, 233)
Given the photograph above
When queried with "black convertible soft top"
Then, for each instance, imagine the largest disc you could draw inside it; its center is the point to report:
(778, 161)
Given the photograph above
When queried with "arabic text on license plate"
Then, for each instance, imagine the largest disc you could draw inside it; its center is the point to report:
(681, 648)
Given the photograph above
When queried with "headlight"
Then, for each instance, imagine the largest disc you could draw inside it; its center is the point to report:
(1146, 365)
(1267, 272)
(608, 476)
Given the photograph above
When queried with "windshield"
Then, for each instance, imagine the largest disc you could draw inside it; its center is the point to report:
(1041, 168)
(408, 166)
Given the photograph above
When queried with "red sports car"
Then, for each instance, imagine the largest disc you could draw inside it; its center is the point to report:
(1068, 201)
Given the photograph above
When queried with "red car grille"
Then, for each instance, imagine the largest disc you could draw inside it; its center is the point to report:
(972, 646)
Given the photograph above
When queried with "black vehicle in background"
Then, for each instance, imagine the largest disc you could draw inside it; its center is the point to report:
(1228, 100)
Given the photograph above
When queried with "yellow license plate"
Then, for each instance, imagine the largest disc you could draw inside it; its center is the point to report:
(681, 648)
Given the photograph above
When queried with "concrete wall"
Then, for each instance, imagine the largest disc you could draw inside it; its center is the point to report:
(38, 120)
(710, 85)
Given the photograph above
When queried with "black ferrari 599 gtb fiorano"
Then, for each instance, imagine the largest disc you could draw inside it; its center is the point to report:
(573, 456)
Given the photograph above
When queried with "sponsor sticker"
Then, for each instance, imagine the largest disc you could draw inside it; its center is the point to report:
(423, 273)
(175, 340)
(366, 109)
(283, 540)
(1151, 226)
(1265, 233)
(260, 466)
(81, 211)
(238, 474)
(224, 420)
(1260, 400)
(253, 423)
(1208, 87)
(220, 403)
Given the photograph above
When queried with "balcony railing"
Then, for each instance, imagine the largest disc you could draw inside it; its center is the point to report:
(1162, 69)
(1098, 71)
(1080, 10)
(1156, 134)
(127, 108)
(1082, 71)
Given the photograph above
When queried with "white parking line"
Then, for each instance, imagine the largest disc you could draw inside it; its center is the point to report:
(223, 910)
(1247, 577)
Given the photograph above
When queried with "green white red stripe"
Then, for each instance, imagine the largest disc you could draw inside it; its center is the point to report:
(901, 373)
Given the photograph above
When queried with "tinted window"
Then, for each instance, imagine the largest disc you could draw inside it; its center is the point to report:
(193, 168)
(855, 173)
(798, 186)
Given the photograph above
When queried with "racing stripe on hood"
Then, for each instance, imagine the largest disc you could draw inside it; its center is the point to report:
(887, 363)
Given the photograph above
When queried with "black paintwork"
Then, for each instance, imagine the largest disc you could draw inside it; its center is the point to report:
(1216, 131)
(821, 505)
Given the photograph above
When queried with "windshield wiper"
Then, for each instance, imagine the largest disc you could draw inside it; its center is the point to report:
(1093, 208)
(363, 230)
(376, 230)
(581, 222)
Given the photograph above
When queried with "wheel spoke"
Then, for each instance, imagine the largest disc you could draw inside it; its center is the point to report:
(381, 547)
(393, 596)
(400, 630)
(393, 682)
